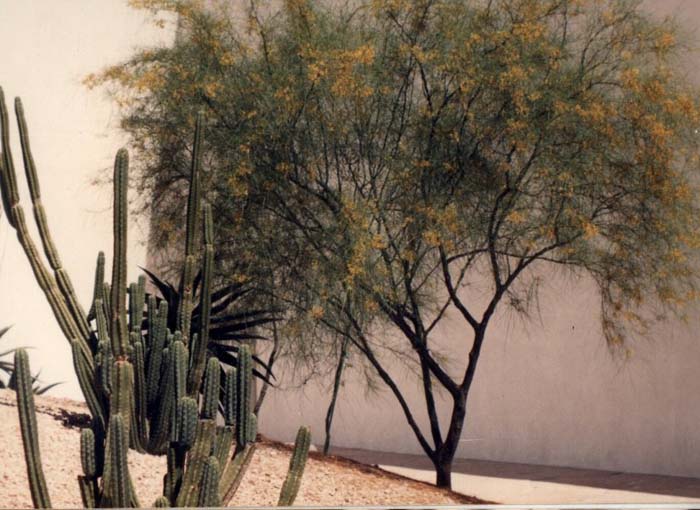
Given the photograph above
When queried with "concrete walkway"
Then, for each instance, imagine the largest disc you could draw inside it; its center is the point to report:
(510, 483)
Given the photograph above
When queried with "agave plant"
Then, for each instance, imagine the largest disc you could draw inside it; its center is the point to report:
(8, 368)
(231, 325)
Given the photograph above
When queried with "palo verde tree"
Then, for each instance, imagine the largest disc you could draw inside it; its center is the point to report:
(385, 154)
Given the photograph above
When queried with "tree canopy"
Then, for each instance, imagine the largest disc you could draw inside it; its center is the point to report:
(373, 159)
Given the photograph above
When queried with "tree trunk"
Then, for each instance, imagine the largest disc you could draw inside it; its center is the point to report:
(334, 398)
(446, 453)
(443, 473)
(268, 371)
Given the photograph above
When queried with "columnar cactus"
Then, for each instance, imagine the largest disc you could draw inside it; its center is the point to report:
(209, 490)
(88, 460)
(116, 484)
(123, 328)
(30, 433)
(148, 385)
(291, 485)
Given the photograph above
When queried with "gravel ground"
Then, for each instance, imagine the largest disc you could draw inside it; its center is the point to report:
(330, 481)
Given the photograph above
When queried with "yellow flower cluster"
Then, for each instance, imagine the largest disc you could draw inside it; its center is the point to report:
(316, 312)
(340, 67)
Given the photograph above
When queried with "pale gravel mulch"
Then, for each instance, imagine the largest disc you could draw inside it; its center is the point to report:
(330, 481)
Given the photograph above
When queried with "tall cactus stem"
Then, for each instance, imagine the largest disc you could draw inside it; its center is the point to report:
(161, 502)
(223, 443)
(30, 432)
(107, 295)
(212, 383)
(88, 457)
(161, 422)
(98, 286)
(101, 324)
(233, 474)
(137, 323)
(158, 335)
(10, 193)
(193, 203)
(230, 396)
(172, 481)
(252, 427)
(179, 366)
(88, 490)
(105, 368)
(140, 420)
(184, 319)
(209, 486)
(116, 485)
(193, 199)
(292, 482)
(62, 278)
(57, 300)
(185, 429)
(200, 351)
(118, 299)
(122, 399)
(86, 377)
(199, 452)
(245, 374)
(151, 318)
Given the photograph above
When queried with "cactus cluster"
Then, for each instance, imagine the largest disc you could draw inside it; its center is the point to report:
(149, 386)
(191, 307)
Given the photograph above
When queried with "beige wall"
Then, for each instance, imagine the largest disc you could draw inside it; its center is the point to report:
(47, 47)
(546, 391)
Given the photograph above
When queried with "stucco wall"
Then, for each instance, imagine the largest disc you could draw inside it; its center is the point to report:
(546, 391)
